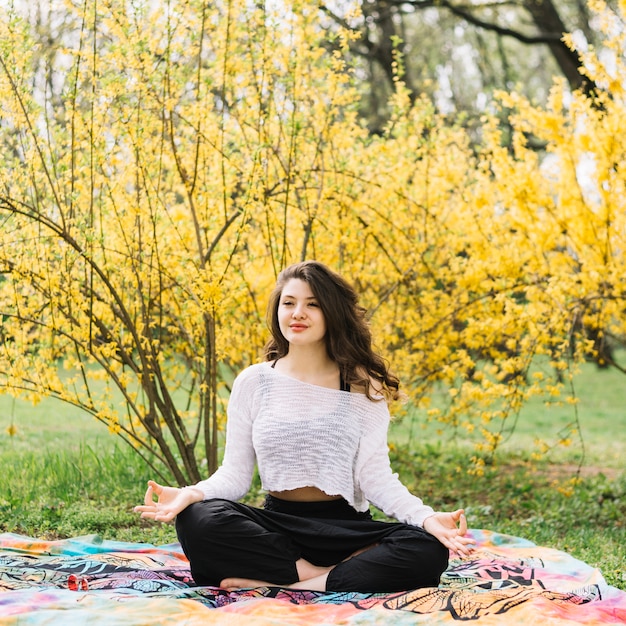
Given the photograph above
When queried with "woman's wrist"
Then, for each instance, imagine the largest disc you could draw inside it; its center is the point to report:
(194, 494)
(429, 519)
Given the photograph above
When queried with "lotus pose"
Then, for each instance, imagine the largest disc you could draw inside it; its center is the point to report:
(313, 418)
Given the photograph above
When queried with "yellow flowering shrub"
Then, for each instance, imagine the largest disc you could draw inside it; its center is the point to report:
(163, 167)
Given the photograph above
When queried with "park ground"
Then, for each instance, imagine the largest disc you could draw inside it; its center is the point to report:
(65, 475)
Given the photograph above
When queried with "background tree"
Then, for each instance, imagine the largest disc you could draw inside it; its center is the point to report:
(459, 53)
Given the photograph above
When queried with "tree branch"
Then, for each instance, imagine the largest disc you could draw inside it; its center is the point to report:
(468, 16)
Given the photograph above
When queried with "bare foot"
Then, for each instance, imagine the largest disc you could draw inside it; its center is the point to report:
(317, 583)
(232, 584)
(312, 577)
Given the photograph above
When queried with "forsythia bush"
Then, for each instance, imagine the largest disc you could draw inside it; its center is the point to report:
(164, 162)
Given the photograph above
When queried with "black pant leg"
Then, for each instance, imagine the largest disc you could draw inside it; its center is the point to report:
(225, 539)
(405, 558)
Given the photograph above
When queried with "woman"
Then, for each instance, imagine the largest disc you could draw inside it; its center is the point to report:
(314, 418)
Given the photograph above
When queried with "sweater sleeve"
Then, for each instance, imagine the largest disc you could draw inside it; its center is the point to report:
(233, 478)
(380, 485)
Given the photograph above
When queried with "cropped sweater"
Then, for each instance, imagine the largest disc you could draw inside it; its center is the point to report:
(303, 435)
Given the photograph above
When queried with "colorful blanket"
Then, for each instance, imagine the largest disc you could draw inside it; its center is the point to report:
(89, 581)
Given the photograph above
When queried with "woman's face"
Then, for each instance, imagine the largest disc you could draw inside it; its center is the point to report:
(300, 317)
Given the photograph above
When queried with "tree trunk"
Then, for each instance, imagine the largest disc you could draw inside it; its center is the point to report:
(548, 21)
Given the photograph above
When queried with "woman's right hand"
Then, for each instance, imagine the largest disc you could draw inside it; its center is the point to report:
(170, 501)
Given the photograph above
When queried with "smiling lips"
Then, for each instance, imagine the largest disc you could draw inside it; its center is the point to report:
(298, 327)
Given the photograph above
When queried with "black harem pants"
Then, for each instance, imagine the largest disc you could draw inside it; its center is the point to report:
(224, 539)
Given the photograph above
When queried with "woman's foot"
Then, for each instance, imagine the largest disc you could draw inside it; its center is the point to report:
(318, 583)
(311, 577)
(233, 584)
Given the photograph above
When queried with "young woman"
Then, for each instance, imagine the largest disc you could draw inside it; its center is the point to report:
(313, 417)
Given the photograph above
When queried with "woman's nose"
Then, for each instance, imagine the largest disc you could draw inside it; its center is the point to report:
(299, 311)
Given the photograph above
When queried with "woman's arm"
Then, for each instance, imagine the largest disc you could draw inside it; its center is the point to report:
(234, 476)
(382, 487)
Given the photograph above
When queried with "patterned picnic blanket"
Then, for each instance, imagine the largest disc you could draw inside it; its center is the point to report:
(89, 581)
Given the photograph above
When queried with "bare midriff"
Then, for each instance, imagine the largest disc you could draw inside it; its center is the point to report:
(303, 494)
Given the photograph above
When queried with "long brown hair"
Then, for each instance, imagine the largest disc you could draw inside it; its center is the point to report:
(348, 336)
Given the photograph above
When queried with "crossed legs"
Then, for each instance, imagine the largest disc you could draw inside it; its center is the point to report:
(233, 545)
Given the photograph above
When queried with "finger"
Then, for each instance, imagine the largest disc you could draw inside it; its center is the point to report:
(461, 550)
(464, 540)
(154, 514)
(148, 500)
(465, 547)
(457, 549)
(141, 508)
(462, 524)
(155, 487)
(461, 545)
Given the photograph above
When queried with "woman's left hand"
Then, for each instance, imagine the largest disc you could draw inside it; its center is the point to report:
(450, 529)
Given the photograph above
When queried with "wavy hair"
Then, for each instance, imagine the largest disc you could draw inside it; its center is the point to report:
(348, 336)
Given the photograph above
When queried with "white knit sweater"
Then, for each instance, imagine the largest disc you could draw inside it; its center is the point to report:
(303, 435)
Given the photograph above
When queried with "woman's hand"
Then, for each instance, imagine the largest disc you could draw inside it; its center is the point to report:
(450, 529)
(170, 501)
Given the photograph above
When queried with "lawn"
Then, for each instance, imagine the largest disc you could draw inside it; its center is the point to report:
(65, 475)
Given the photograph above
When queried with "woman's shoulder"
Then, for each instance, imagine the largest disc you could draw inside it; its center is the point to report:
(252, 373)
(246, 384)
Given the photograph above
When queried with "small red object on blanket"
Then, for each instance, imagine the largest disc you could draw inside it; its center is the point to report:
(76, 583)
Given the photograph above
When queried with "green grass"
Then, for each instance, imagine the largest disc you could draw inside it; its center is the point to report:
(49, 425)
(65, 475)
(63, 493)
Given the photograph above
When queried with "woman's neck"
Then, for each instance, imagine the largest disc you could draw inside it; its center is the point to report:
(311, 366)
